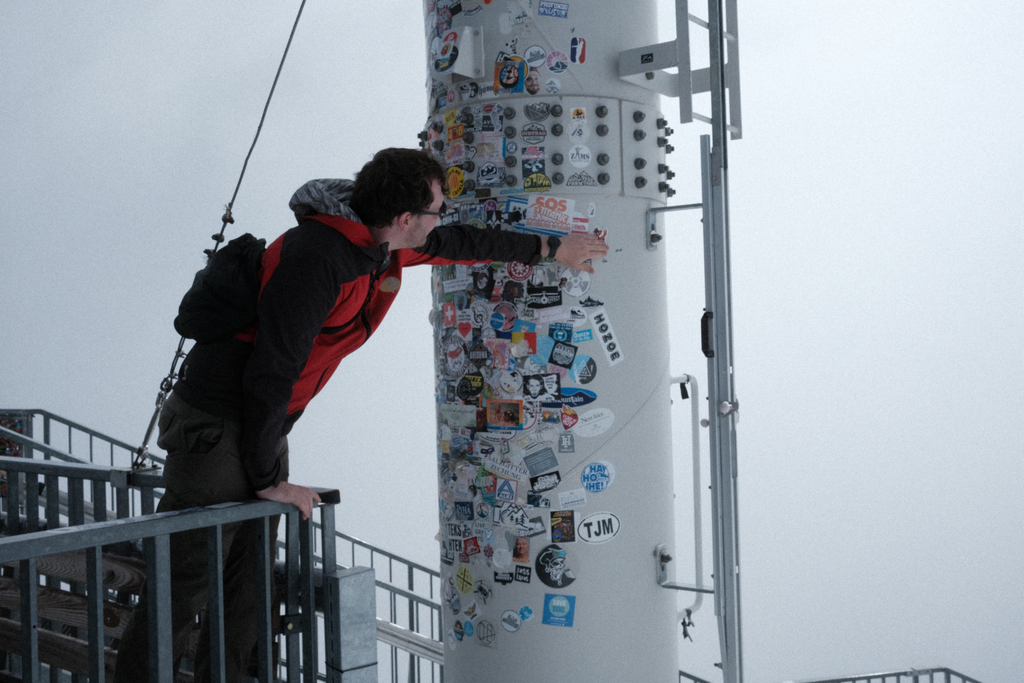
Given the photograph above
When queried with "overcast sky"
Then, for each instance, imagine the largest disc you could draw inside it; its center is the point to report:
(877, 286)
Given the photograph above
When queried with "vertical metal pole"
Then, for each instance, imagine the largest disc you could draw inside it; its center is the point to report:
(32, 501)
(94, 591)
(264, 635)
(29, 622)
(215, 601)
(721, 391)
(292, 588)
(310, 657)
(158, 585)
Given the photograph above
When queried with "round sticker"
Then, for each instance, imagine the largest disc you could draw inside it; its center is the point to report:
(455, 358)
(553, 86)
(598, 476)
(511, 621)
(553, 568)
(578, 131)
(580, 156)
(520, 272)
(575, 282)
(557, 61)
(456, 181)
(535, 55)
(464, 580)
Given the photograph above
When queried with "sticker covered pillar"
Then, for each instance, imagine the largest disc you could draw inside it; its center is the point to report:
(554, 456)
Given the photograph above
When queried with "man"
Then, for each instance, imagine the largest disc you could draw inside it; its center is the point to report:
(325, 287)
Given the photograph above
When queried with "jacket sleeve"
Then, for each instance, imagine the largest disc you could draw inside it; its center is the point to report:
(466, 244)
(294, 303)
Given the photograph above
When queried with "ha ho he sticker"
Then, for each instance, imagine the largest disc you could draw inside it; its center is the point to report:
(598, 476)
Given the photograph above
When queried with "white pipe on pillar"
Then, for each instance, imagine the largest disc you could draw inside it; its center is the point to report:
(553, 397)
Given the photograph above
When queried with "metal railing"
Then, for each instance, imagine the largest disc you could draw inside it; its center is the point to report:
(935, 675)
(35, 537)
(408, 612)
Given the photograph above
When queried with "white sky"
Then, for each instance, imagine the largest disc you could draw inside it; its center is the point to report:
(877, 286)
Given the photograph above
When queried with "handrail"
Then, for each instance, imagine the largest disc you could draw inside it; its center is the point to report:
(914, 675)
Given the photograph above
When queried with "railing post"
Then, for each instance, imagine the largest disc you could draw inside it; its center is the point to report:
(94, 591)
(158, 587)
(215, 601)
(29, 622)
(350, 625)
(310, 658)
(264, 632)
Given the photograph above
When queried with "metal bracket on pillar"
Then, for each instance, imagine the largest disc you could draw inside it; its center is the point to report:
(646, 67)
(661, 560)
(651, 222)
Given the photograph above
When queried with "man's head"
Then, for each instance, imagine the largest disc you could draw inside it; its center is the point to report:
(394, 182)
(533, 81)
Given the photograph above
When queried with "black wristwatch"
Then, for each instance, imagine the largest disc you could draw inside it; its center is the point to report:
(553, 244)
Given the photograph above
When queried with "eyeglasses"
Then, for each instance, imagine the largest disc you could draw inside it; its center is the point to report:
(443, 211)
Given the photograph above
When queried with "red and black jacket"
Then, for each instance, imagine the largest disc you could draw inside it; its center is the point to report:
(326, 287)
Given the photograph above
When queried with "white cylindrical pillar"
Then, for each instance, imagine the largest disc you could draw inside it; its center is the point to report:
(555, 472)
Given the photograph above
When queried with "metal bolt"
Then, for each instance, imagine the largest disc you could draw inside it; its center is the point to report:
(639, 163)
(557, 178)
(468, 137)
(511, 161)
(509, 113)
(511, 180)
(662, 141)
(639, 116)
(438, 145)
(669, 149)
(602, 130)
(557, 158)
(603, 178)
(639, 135)
(661, 123)
(510, 131)
(467, 118)
(640, 182)
(437, 126)
(557, 129)
(556, 110)
(603, 159)
(469, 185)
(468, 166)
(601, 111)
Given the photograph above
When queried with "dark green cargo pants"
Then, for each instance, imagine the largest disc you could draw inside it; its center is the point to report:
(203, 468)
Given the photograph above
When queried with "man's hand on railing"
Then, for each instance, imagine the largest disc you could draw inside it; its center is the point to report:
(300, 496)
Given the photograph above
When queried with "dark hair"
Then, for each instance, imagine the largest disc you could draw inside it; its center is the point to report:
(395, 181)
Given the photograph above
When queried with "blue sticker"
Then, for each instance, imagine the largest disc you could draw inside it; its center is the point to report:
(525, 613)
(548, 8)
(582, 336)
(597, 476)
(559, 610)
(574, 398)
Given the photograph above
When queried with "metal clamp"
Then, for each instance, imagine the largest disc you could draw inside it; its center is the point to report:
(651, 222)
(661, 560)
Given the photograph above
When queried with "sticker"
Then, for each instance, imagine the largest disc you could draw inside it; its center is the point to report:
(574, 282)
(455, 357)
(559, 610)
(534, 133)
(537, 182)
(520, 272)
(578, 50)
(390, 285)
(557, 61)
(535, 55)
(485, 632)
(553, 569)
(581, 179)
(574, 397)
(456, 181)
(467, 626)
(580, 156)
(578, 337)
(511, 621)
(550, 215)
(504, 316)
(566, 443)
(523, 574)
(502, 558)
(563, 354)
(598, 527)
(509, 74)
(563, 526)
(598, 476)
(569, 418)
(537, 111)
(506, 491)
(503, 578)
(525, 613)
(521, 551)
(584, 368)
(578, 132)
(560, 332)
(545, 482)
(606, 335)
(532, 85)
(553, 86)
(548, 8)
(540, 461)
